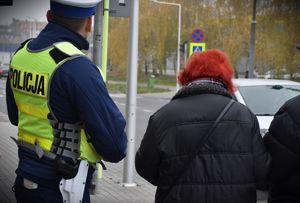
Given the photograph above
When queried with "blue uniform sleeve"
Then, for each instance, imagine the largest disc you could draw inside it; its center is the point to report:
(12, 109)
(90, 102)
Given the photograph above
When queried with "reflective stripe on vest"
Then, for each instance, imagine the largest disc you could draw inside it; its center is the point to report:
(30, 75)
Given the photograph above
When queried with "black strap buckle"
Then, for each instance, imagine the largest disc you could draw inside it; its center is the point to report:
(65, 169)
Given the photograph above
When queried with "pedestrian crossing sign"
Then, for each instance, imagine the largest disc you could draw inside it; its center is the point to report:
(194, 47)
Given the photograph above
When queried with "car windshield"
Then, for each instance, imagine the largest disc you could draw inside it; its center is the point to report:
(266, 100)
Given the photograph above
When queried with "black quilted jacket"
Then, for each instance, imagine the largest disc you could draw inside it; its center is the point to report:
(283, 143)
(227, 167)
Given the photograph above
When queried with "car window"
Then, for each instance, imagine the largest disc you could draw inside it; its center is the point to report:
(266, 100)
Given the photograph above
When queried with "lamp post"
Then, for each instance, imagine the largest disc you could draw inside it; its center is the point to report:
(252, 41)
(179, 31)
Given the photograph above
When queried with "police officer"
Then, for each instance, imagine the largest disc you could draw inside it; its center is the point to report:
(59, 101)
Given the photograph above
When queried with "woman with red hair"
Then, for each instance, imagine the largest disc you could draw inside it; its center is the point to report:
(212, 64)
(202, 146)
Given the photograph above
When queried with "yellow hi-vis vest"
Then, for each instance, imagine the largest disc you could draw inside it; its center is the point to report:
(30, 76)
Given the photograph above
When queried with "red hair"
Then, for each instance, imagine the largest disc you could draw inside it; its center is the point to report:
(211, 63)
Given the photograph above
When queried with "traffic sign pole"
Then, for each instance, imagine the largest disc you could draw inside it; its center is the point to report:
(178, 47)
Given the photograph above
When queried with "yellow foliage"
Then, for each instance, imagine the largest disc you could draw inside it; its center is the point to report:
(226, 25)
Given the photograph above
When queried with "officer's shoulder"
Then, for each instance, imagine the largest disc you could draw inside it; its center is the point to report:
(80, 71)
(59, 56)
(80, 68)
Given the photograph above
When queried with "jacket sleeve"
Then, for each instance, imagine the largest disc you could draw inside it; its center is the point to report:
(86, 93)
(147, 157)
(283, 145)
(12, 109)
(262, 158)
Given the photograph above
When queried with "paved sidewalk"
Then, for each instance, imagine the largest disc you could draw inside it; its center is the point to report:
(8, 161)
(109, 190)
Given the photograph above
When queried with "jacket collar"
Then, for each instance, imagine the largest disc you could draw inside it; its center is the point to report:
(202, 86)
(54, 32)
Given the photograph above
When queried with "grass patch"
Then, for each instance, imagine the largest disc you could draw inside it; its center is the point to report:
(115, 77)
(121, 88)
(142, 89)
(160, 80)
(116, 88)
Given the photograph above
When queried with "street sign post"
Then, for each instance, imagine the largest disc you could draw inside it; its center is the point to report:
(194, 47)
(184, 50)
(119, 8)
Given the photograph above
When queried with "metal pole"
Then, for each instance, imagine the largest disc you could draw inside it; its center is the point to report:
(97, 40)
(185, 52)
(105, 38)
(178, 42)
(252, 41)
(131, 96)
(178, 47)
(97, 59)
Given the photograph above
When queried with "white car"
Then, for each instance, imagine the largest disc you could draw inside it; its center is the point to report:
(264, 97)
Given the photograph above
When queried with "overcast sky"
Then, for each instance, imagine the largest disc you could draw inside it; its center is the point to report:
(24, 9)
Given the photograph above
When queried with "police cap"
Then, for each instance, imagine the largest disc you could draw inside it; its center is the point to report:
(74, 8)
